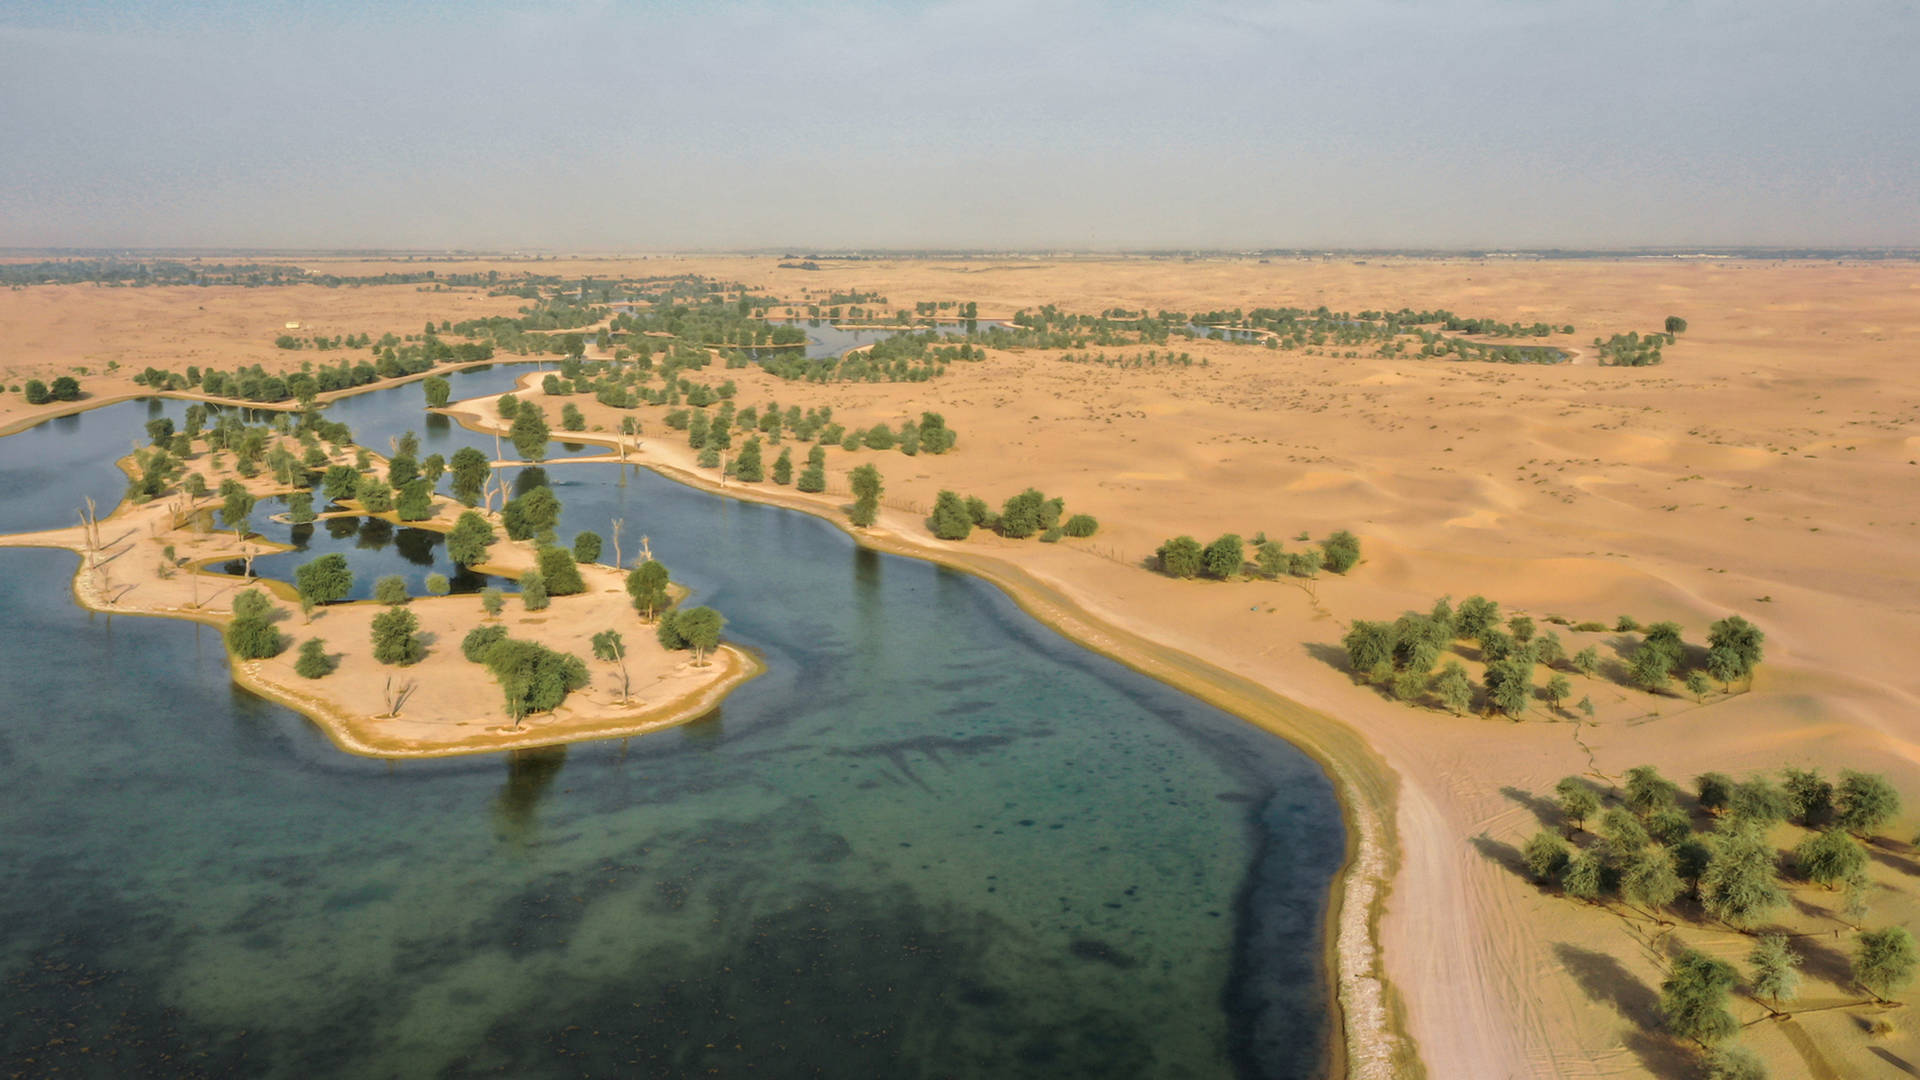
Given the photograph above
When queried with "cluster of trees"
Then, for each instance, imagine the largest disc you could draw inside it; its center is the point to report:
(1631, 350)
(1150, 358)
(532, 677)
(1225, 559)
(64, 388)
(1646, 855)
(914, 357)
(1027, 514)
(1400, 656)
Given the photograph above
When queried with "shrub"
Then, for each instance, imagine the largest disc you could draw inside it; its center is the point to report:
(559, 573)
(396, 639)
(479, 639)
(1081, 525)
(1180, 557)
(314, 663)
(438, 585)
(533, 591)
(390, 590)
(1342, 551)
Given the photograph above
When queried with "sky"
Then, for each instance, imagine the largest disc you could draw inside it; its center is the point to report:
(969, 124)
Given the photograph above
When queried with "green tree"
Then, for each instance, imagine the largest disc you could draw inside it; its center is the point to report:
(1651, 669)
(1648, 791)
(1830, 858)
(324, 580)
(1556, 691)
(438, 585)
(813, 478)
(478, 640)
(1510, 683)
(236, 510)
(1739, 886)
(1734, 1063)
(492, 601)
(1223, 559)
(1453, 688)
(747, 466)
(37, 393)
(1697, 685)
(1809, 795)
(468, 541)
(470, 473)
(439, 391)
(1734, 648)
(647, 585)
(1369, 646)
(374, 495)
(529, 432)
(313, 663)
(1587, 661)
(1676, 325)
(1650, 880)
(1082, 526)
(1546, 856)
(1578, 800)
(1884, 960)
(609, 648)
(570, 419)
(700, 628)
(339, 482)
(586, 546)
(1716, 791)
(559, 572)
(1020, 516)
(783, 467)
(390, 590)
(396, 637)
(1180, 557)
(533, 591)
(866, 496)
(160, 430)
(1776, 969)
(1342, 551)
(251, 635)
(532, 677)
(1694, 998)
(1757, 801)
(950, 520)
(416, 501)
(1865, 801)
(1585, 877)
(528, 516)
(65, 388)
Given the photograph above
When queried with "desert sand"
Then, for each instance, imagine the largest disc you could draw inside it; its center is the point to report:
(1768, 468)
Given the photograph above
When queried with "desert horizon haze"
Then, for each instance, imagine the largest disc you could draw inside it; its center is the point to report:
(973, 124)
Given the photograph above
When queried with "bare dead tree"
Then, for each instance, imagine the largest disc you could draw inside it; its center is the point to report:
(396, 696)
(617, 523)
(646, 549)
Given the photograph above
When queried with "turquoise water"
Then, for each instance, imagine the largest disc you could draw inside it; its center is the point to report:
(936, 839)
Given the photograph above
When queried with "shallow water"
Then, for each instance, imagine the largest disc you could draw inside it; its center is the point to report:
(936, 839)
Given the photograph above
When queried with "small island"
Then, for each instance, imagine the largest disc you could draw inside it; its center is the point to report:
(584, 650)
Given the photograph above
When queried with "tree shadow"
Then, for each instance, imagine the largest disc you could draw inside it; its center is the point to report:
(1822, 958)
(1506, 855)
(1663, 1056)
(1894, 1060)
(1607, 982)
(1876, 848)
(1546, 811)
(1333, 656)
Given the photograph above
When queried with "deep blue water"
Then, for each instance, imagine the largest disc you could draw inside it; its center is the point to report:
(936, 839)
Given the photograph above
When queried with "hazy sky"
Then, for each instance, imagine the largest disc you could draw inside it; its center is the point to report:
(975, 124)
